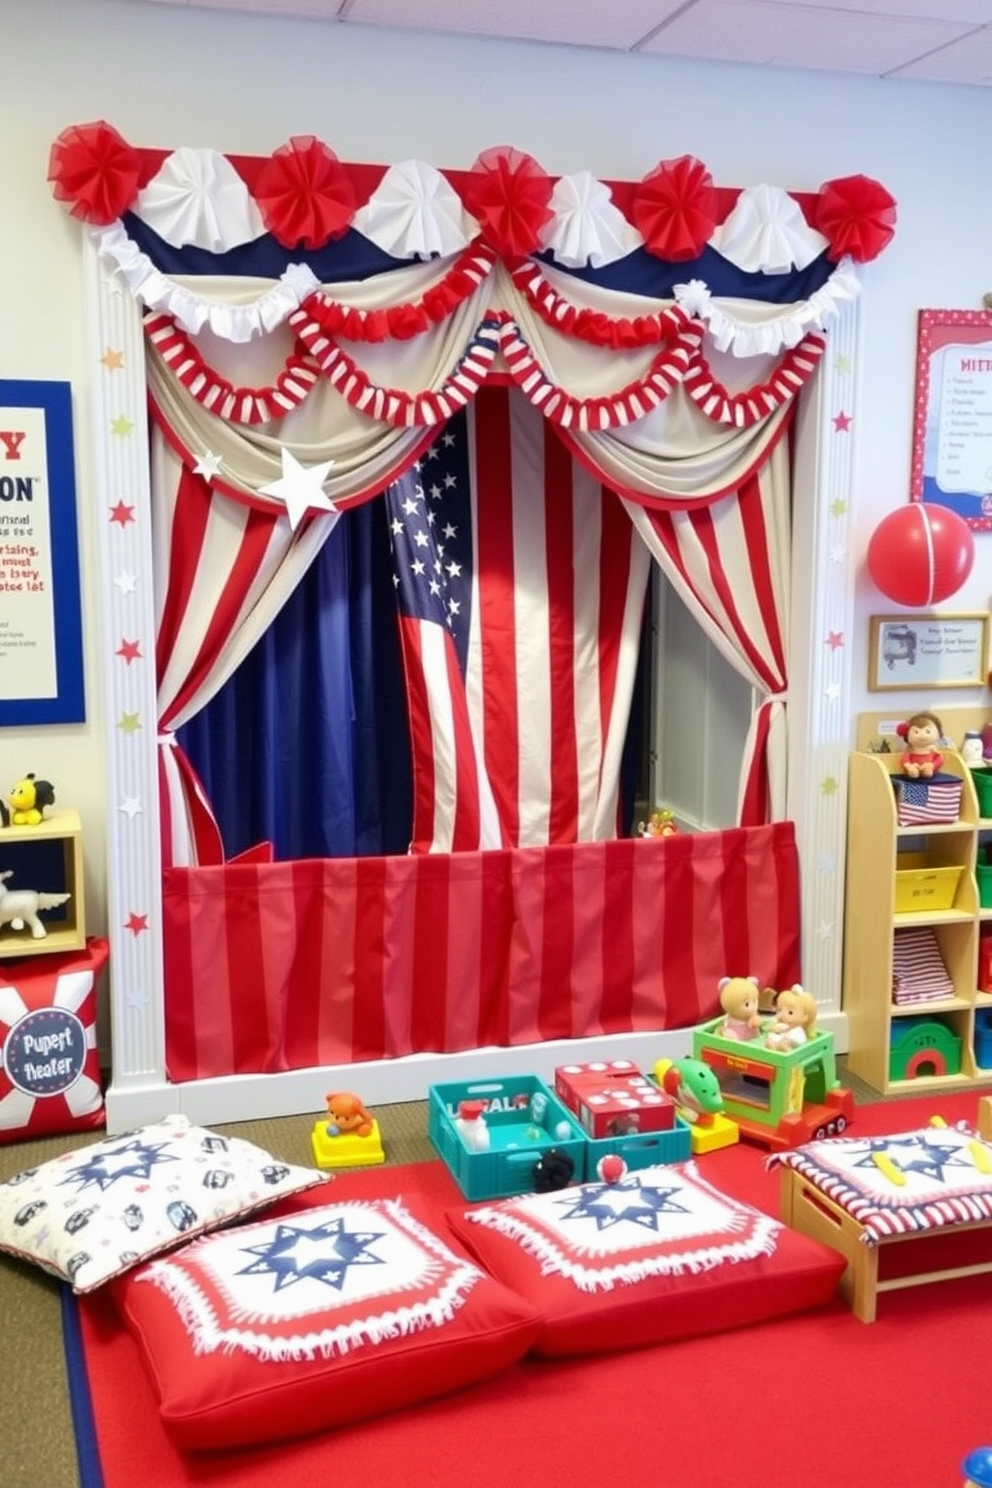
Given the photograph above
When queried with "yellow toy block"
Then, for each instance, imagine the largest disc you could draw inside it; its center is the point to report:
(347, 1149)
(719, 1132)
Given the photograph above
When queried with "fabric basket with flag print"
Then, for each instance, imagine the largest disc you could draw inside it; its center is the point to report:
(920, 801)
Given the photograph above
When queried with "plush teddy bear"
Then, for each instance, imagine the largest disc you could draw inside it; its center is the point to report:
(739, 1000)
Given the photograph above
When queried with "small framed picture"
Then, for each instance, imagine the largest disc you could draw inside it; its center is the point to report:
(924, 652)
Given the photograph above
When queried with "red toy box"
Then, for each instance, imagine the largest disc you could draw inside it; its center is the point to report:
(613, 1099)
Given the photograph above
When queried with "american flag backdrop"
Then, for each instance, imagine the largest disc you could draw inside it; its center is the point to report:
(520, 584)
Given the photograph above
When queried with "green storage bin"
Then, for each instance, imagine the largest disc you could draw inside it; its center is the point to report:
(983, 873)
(982, 776)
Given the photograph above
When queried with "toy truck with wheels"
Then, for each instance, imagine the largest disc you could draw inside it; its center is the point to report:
(780, 1099)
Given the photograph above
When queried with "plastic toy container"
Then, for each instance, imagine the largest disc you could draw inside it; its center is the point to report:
(641, 1149)
(983, 1038)
(983, 789)
(983, 875)
(520, 1130)
(919, 887)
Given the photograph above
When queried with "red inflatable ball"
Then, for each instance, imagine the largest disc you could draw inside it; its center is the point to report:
(921, 554)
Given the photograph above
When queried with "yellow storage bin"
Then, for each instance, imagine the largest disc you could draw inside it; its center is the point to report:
(922, 888)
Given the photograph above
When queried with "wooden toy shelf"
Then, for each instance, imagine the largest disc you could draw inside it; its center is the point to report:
(52, 850)
(875, 845)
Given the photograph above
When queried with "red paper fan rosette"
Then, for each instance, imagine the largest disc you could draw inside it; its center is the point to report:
(675, 209)
(857, 216)
(95, 170)
(304, 194)
(508, 194)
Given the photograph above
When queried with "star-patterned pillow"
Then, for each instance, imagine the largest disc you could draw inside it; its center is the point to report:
(315, 1318)
(934, 1178)
(90, 1214)
(660, 1255)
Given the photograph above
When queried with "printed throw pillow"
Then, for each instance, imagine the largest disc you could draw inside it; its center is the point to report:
(660, 1255)
(49, 1063)
(90, 1214)
(324, 1315)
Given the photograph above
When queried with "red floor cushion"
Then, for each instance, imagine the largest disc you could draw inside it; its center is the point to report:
(658, 1256)
(323, 1315)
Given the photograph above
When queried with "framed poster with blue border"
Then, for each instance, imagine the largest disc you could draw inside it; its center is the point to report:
(952, 417)
(41, 644)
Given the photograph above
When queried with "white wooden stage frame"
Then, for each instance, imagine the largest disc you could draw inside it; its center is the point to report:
(820, 708)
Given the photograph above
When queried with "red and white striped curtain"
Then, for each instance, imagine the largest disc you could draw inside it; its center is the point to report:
(227, 557)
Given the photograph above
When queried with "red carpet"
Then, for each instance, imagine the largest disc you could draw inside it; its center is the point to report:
(810, 1401)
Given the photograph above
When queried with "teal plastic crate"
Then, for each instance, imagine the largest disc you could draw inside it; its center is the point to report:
(516, 1138)
(641, 1149)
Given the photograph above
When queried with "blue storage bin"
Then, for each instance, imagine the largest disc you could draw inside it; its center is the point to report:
(641, 1149)
(517, 1139)
(983, 1038)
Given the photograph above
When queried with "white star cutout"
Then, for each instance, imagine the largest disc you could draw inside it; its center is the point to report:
(208, 465)
(301, 488)
(131, 807)
(125, 583)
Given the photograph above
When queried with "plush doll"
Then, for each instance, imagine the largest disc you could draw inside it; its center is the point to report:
(923, 733)
(739, 1000)
(794, 1021)
(27, 801)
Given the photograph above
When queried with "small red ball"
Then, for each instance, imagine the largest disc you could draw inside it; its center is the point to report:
(611, 1168)
(921, 554)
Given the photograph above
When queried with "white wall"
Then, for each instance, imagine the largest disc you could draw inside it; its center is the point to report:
(168, 76)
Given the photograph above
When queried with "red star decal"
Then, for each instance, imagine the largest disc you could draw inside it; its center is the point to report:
(136, 923)
(835, 638)
(122, 513)
(130, 650)
(842, 422)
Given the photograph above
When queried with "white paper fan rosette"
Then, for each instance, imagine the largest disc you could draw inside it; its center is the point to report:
(198, 198)
(767, 232)
(415, 213)
(587, 228)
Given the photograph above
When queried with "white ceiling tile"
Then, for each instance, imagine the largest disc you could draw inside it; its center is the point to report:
(763, 31)
(578, 22)
(968, 61)
(894, 12)
(943, 41)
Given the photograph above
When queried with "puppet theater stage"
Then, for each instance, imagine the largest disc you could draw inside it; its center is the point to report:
(617, 367)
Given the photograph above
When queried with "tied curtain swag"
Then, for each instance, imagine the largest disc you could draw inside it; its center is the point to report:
(602, 374)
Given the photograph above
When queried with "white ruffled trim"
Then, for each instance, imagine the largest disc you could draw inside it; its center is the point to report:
(587, 228)
(198, 197)
(235, 323)
(766, 232)
(415, 212)
(785, 327)
(199, 1317)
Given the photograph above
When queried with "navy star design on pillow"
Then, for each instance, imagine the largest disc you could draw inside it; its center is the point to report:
(324, 1280)
(631, 1202)
(322, 1253)
(132, 1159)
(660, 1221)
